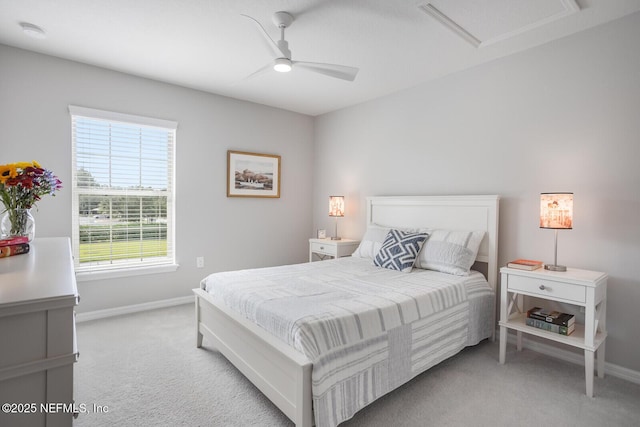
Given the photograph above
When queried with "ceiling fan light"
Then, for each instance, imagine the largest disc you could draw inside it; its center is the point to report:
(282, 65)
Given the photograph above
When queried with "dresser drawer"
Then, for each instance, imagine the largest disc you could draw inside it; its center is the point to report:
(25, 338)
(322, 248)
(547, 289)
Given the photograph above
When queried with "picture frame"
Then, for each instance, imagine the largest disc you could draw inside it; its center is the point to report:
(253, 174)
(322, 233)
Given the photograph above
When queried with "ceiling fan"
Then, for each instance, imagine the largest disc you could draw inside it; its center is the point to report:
(280, 50)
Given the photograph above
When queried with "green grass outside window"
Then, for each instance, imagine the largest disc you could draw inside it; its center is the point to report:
(103, 251)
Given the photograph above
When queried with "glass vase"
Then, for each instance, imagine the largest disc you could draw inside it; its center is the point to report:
(18, 222)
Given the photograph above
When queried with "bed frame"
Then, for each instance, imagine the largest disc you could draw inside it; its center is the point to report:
(282, 373)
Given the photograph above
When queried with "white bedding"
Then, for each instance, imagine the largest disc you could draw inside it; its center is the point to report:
(366, 329)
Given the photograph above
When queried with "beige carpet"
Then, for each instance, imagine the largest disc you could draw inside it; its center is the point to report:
(144, 370)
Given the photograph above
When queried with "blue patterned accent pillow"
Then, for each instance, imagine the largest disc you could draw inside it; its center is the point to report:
(400, 250)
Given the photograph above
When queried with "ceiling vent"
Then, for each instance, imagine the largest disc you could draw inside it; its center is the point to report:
(484, 22)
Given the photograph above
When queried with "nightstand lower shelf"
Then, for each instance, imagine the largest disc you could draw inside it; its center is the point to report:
(576, 339)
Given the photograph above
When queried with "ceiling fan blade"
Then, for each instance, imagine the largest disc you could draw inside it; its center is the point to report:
(262, 70)
(266, 38)
(332, 70)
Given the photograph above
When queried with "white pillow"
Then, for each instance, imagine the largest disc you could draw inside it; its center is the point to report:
(448, 251)
(371, 242)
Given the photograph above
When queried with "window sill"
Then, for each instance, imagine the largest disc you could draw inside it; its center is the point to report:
(87, 276)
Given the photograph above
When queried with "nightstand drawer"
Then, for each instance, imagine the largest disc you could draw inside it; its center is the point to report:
(547, 289)
(322, 248)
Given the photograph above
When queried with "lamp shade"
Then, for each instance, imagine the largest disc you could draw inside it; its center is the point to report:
(336, 205)
(556, 210)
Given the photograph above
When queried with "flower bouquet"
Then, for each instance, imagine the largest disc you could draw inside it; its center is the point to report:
(22, 184)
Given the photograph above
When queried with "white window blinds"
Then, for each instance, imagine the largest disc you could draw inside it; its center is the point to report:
(123, 197)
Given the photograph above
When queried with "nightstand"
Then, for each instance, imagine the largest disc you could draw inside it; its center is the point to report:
(581, 288)
(323, 248)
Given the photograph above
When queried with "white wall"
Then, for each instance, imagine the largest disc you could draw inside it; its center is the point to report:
(231, 233)
(561, 117)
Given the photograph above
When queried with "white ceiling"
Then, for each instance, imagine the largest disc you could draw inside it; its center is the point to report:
(207, 45)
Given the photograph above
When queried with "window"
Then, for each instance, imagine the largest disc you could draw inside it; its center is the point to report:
(123, 197)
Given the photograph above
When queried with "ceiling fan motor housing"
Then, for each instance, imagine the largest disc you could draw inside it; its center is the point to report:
(283, 45)
(282, 19)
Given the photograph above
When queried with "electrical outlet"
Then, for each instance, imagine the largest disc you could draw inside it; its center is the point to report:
(200, 262)
(582, 310)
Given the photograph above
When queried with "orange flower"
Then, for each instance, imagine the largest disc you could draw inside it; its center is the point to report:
(8, 171)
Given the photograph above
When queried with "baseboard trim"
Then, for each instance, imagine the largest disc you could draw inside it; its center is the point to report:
(128, 309)
(568, 356)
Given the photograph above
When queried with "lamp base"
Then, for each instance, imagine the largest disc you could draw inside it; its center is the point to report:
(336, 238)
(555, 267)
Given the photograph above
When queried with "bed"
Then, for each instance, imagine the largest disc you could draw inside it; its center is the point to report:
(294, 368)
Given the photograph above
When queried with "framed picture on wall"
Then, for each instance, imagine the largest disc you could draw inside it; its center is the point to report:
(252, 174)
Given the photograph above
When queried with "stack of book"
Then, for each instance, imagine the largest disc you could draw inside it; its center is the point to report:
(13, 246)
(552, 321)
(524, 264)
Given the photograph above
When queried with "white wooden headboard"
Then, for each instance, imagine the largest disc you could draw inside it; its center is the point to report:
(448, 212)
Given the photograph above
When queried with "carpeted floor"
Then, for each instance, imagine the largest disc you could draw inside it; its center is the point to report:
(144, 370)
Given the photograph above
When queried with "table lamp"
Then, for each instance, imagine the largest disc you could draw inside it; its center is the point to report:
(336, 209)
(556, 213)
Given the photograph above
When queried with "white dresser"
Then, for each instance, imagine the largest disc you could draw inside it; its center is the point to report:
(37, 335)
